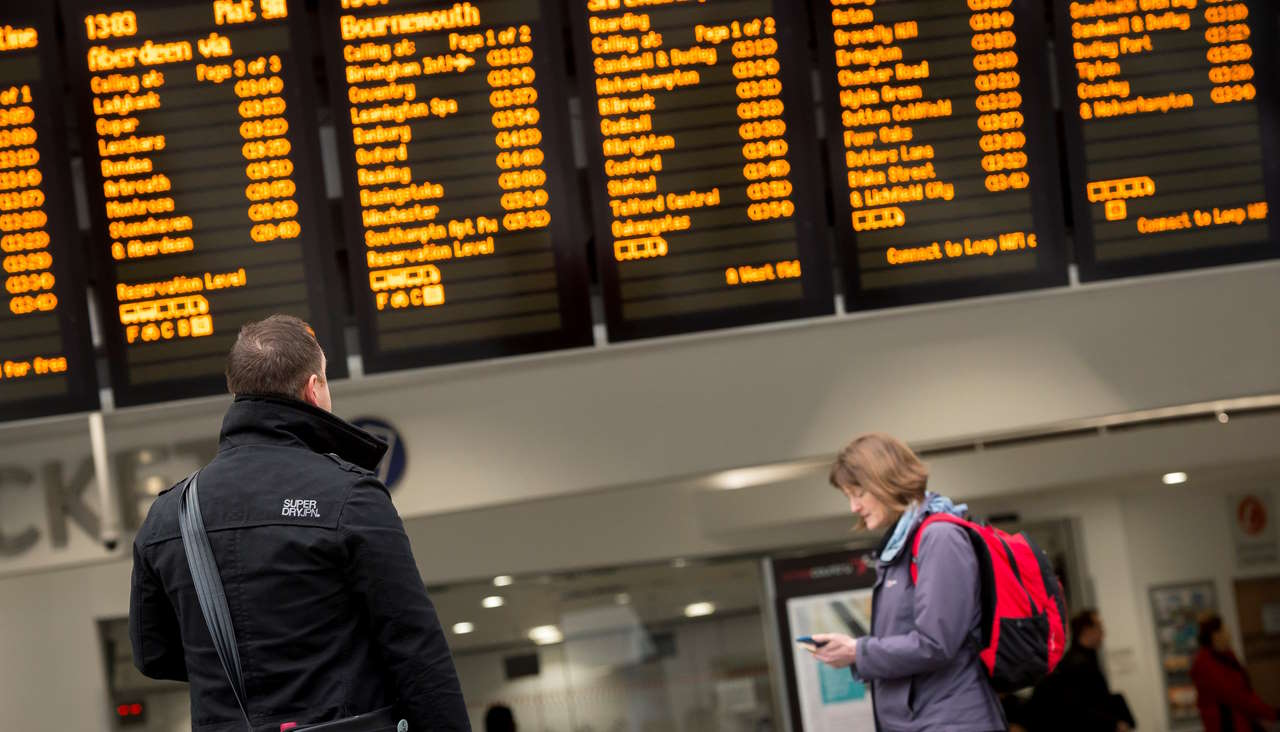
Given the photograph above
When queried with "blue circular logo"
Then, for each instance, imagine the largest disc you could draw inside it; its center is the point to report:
(391, 469)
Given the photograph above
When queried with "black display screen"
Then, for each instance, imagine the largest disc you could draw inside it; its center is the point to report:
(943, 151)
(204, 181)
(46, 359)
(702, 163)
(459, 199)
(1170, 111)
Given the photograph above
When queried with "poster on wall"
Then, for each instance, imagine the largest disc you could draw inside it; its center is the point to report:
(1177, 610)
(825, 593)
(1253, 528)
(830, 698)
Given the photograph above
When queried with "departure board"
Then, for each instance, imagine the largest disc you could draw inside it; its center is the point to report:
(1171, 122)
(46, 359)
(203, 178)
(458, 200)
(702, 161)
(943, 151)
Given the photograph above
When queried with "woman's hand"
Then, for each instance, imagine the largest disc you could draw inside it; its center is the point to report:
(836, 650)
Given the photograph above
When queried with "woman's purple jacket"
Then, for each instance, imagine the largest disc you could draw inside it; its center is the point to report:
(921, 656)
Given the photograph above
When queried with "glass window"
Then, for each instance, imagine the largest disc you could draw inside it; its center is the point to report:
(672, 647)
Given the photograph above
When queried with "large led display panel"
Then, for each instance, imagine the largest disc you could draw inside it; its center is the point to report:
(459, 196)
(943, 150)
(46, 360)
(204, 183)
(703, 164)
(1170, 111)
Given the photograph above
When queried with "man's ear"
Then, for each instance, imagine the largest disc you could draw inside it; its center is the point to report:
(311, 392)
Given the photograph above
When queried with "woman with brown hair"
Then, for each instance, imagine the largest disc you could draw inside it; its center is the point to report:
(921, 656)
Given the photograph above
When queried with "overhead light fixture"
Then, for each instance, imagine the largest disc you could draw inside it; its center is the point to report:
(493, 601)
(1174, 478)
(503, 580)
(1223, 417)
(680, 563)
(463, 628)
(699, 609)
(546, 635)
(622, 598)
(738, 478)
(154, 485)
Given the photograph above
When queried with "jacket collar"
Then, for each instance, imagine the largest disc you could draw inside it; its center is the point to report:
(914, 517)
(914, 526)
(259, 419)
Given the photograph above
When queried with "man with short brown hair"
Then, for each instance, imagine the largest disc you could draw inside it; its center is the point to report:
(329, 611)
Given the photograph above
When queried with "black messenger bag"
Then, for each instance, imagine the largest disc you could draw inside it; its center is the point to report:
(217, 616)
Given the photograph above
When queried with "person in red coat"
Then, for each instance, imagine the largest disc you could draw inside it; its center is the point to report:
(1226, 699)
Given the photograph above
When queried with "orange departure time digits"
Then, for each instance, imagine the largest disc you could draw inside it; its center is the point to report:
(1150, 74)
(527, 205)
(765, 130)
(269, 168)
(28, 262)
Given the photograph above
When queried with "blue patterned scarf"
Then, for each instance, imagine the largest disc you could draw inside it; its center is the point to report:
(933, 503)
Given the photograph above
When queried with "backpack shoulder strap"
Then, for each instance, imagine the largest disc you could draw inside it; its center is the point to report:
(213, 598)
(937, 518)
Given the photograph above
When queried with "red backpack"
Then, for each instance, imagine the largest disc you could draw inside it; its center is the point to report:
(1024, 632)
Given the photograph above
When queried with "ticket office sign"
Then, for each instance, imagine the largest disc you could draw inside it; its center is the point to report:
(943, 149)
(459, 198)
(46, 358)
(1171, 122)
(203, 183)
(701, 159)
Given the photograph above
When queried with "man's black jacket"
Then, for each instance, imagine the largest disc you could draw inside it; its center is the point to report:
(1077, 698)
(330, 613)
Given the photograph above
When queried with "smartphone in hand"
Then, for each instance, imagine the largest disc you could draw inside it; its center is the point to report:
(809, 644)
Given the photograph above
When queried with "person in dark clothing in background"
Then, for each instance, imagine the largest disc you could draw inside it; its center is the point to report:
(1226, 698)
(499, 718)
(1076, 696)
(330, 613)
(1018, 712)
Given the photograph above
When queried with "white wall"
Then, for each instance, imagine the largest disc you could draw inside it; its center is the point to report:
(52, 670)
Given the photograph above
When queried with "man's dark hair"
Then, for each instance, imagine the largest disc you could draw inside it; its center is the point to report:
(1209, 627)
(276, 355)
(1082, 621)
(499, 719)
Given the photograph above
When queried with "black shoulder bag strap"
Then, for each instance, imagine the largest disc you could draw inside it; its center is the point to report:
(213, 599)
